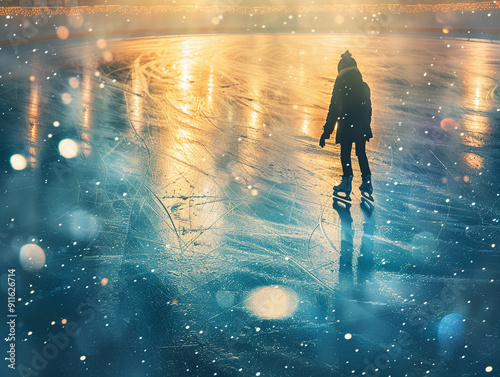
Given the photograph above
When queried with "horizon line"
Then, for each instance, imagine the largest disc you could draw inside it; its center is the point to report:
(245, 9)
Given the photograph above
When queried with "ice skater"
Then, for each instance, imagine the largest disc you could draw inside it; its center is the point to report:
(351, 109)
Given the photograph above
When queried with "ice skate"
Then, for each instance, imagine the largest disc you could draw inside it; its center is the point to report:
(366, 188)
(343, 191)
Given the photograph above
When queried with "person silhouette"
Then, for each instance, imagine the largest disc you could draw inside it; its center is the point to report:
(351, 109)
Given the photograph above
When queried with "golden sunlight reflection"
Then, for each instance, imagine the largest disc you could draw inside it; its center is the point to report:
(136, 99)
(476, 129)
(186, 63)
(176, 83)
(211, 83)
(86, 123)
(249, 109)
(473, 161)
(255, 132)
(477, 96)
(478, 82)
(305, 122)
(33, 145)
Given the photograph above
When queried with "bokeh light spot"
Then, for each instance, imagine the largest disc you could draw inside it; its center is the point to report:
(32, 257)
(449, 124)
(18, 162)
(74, 82)
(104, 281)
(107, 56)
(75, 20)
(63, 32)
(272, 302)
(68, 148)
(423, 240)
(83, 225)
(451, 330)
(64, 321)
(225, 299)
(66, 98)
(101, 43)
(339, 19)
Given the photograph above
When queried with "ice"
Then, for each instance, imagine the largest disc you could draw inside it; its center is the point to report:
(182, 205)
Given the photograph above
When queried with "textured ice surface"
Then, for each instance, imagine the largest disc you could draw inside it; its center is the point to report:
(194, 232)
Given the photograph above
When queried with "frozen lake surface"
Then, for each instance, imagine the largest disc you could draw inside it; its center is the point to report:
(193, 232)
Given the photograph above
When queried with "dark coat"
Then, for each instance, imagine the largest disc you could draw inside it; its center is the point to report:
(351, 107)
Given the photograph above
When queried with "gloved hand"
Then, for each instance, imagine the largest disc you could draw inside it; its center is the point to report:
(322, 140)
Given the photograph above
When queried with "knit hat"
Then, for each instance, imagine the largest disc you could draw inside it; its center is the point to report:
(346, 61)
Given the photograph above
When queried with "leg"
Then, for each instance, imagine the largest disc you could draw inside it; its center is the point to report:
(366, 187)
(346, 185)
(345, 158)
(362, 159)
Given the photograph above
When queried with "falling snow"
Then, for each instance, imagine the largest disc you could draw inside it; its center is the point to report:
(168, 209)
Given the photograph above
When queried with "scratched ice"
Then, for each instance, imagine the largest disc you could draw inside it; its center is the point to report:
(190, 230)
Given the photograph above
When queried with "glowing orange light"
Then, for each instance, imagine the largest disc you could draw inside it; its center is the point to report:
(85, 134)
(33, 111)
(74, 83)
(108, 56)
(101, 43)
(104, 281)
(466, 178)
(66, 98)
(175, 301)
(32, 78)
(449, 124)
(62, 32)
(446, 31)
(77, 11)
(64, 321)
(474, 161)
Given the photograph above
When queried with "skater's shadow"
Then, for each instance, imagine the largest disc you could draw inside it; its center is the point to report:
(360, 309)
(366, 260)
(346, 273)
(355, 283)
